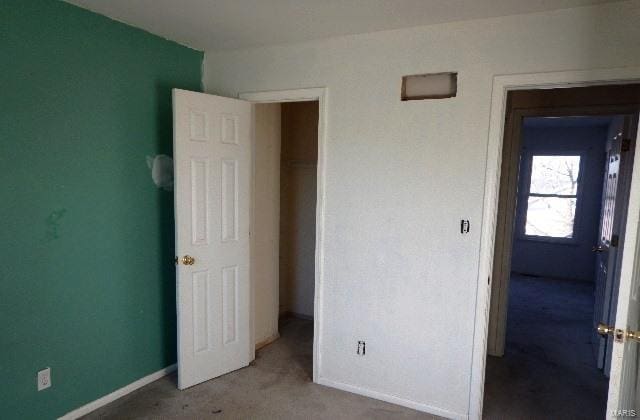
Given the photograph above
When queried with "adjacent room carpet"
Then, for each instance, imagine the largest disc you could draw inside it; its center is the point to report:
(549, 369)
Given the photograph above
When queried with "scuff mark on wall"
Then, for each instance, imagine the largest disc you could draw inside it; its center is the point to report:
(53, 223)
(161, 171)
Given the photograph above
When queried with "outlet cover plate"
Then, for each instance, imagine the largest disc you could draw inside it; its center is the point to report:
(44, 379)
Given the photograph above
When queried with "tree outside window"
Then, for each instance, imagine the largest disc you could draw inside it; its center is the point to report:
(553, 195)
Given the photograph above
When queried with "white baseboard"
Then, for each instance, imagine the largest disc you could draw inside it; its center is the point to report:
(393, 399)
(296, 315)
(267, 341)
(118, 393)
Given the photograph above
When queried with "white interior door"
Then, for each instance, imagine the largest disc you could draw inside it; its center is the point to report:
(212, 154)
(606, 247)
(624, 389)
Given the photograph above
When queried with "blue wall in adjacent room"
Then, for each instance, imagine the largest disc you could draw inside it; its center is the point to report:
(565, 260)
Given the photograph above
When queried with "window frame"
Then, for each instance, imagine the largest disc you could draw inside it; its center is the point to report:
(521, 216)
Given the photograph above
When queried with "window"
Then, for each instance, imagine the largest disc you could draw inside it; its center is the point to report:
(552, 197)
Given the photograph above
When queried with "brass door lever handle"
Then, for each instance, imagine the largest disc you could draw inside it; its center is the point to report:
(598, 248)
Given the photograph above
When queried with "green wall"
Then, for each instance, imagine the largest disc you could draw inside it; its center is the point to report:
(87, 284)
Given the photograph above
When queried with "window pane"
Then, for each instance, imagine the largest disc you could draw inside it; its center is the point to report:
(555, 174)
(550, 216)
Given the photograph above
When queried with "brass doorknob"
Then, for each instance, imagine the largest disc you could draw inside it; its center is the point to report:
(188, 260)
(604, 330)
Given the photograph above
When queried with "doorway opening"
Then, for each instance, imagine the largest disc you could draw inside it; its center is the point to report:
(564, 192)
(284, 231)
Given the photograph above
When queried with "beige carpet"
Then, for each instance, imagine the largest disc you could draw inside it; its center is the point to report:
(277, 386)
(548, 372)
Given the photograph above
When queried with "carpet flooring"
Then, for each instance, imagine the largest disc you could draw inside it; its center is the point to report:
(549, 369)
(277, 385)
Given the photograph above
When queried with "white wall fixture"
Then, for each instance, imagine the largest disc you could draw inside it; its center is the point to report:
(44, 379)
(161, 171)
(429, 86)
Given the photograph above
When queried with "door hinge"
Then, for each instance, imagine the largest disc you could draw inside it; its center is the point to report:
(626, 145)
(615, 240)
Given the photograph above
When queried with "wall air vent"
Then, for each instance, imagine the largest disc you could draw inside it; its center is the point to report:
(429, 86)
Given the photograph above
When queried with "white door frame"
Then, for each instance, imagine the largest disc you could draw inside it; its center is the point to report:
(303, 95)
(502, 84)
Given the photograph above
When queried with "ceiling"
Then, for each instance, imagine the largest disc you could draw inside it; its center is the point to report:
(232, 24)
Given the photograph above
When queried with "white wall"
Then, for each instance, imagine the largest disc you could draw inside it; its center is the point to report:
(266, 219)
(401, 175)
(298, 239)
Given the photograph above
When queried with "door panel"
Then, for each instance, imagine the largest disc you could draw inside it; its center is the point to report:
(606, 251)
(625, 300)
(212, 152)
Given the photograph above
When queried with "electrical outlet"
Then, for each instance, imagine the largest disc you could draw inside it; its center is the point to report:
(362, 348)
(44, 379)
